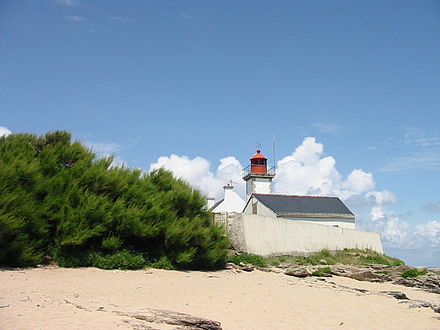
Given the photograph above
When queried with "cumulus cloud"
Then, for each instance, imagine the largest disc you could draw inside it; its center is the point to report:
(381, 197)
(358, 182)
(75, 18)
(432, 207)
(429, 233)
(197, 172)
(4, 131)
(307, 172)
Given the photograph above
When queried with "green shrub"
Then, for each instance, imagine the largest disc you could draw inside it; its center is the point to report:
(414, 272)
(123, 259)
(322, 271)
(326, 257)
(162, 263)
(59, 199)
(248, 259)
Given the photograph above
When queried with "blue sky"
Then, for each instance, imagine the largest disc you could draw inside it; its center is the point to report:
(349, 89)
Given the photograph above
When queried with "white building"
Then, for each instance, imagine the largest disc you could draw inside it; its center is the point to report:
(269, 224)
(329, 211)
(230, 203)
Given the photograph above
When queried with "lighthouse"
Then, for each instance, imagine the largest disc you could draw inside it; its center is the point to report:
(257, 176)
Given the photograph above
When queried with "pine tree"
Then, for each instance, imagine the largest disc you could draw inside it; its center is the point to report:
(59, 199)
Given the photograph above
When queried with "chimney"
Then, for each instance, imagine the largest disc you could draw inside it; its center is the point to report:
(210, 201)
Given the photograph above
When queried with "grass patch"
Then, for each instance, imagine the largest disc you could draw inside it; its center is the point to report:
(249, 259)
(354, 257)
(123, 259)
(414, 272)
(385, 272)
(322, 271)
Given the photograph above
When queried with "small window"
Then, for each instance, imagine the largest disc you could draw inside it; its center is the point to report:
(254, 208)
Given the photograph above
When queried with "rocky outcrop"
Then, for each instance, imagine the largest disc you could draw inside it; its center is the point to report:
(182, 320)
(160, 316)
(372, 273)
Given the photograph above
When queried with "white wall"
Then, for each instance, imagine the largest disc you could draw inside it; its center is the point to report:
(343, 223)
(256, 185)
(231, 202)
(275, 236)
(260, 208)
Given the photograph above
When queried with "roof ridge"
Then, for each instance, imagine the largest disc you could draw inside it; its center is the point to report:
(297, 196)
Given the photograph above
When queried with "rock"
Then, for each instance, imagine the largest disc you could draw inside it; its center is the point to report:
(435, 270)
(3, 306)
(402, 268)
(231, 265)
(182, 320)
(276, 270)
(395, 294)
(416, 303)
(323, 262)
(378, 266)
(297, 272)
(246, 267)
(435, 308)
(365, 276)
(284, 266)
(263, 269)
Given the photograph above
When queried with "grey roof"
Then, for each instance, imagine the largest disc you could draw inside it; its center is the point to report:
(303, 204)
(216, 204)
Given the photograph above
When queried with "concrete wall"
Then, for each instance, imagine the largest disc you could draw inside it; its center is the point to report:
(267, 236)
(343, 223)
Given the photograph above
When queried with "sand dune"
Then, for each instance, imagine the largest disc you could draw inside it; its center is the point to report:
(90, 298)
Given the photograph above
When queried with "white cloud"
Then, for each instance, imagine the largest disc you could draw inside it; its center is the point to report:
(377, 213)
(197, 172)
(327, 128)
(432, 207)
(419, 137)
(427, 159)
(358, 182)
(107, 150)
(4, 131)
(429, 233)
(187, 17)
(70, 3)
(74, 18)
(381, 198)
(103, 148)
(424, 152)
(306, 172)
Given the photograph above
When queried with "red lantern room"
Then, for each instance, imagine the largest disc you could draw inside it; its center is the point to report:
(258, 163)
(257, 176)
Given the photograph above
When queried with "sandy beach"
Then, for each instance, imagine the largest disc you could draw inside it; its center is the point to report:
(90, 298)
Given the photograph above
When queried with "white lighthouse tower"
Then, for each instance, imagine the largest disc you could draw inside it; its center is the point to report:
(257, 176)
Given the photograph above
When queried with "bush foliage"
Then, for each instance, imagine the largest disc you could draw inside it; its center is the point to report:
(323, 257)
(59, 199)
(414, 272)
